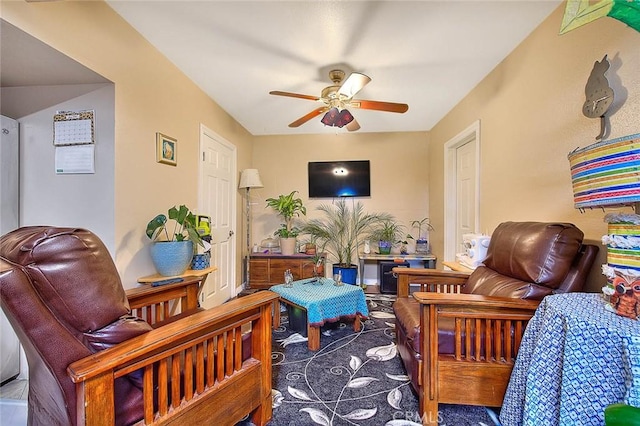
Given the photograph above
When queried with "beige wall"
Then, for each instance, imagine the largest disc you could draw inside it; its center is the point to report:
(152, 95)
(399, 170)
(529, 108)
(531, 118)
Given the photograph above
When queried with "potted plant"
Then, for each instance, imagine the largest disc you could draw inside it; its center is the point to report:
(340, 232)
(289, 207)
(404, 243)
(422, 244)
(388, 234)
(171, 253)
(318, 265)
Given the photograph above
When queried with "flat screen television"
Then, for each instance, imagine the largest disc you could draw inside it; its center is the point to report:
(328, 179)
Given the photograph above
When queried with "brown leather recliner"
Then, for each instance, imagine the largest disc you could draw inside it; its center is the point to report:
(92, 362)
(458, 336)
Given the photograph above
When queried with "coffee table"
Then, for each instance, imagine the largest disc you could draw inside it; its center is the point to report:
(322, 303)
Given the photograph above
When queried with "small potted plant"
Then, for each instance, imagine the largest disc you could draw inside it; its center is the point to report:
(171, 253)
(388, 234)
(289, 207)
(318, 265)
(404, 243)
(422, 244)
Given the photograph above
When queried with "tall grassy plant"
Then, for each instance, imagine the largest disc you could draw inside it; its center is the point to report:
(342, 229)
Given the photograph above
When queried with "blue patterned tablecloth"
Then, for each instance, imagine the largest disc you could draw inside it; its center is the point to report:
(571, 364)
(325, 302)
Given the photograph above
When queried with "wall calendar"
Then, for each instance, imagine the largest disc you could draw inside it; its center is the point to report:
(73, 128)
(74, 141)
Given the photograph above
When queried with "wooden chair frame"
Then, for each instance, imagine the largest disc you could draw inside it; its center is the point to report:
(477, 373)
(194, 364)
(156, 304)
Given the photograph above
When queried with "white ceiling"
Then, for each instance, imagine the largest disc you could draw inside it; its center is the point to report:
(428, 54)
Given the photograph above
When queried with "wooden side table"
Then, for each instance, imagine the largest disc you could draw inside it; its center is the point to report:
(322, 303)
(157, 279)
(190, 274)
(455, 266)
(428, 259)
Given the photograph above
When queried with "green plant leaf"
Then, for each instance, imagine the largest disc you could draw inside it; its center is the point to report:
(179, 214)
(184, 229)
(155, 226)
(288, 207)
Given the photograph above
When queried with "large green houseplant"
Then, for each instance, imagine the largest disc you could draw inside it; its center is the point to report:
(171, 251)
(340, 232)
(289, 207)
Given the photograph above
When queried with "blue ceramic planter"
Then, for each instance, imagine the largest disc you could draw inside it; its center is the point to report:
(171, 257)
(384, 247)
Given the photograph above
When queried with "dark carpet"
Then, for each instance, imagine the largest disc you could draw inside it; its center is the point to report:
(354, 379)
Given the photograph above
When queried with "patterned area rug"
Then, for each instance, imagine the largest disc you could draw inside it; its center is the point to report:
(354, 379)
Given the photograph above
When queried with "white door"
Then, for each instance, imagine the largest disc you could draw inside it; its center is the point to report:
(218, 199)
(461, 188)
(465, 192)
(9, 195)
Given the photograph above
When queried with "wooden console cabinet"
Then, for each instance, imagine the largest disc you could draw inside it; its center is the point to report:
(266, 270)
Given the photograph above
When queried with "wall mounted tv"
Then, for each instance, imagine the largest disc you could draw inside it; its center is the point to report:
(329, 179)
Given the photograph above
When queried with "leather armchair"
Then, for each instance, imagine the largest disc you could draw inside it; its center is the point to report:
(100, 355)
(458, 335)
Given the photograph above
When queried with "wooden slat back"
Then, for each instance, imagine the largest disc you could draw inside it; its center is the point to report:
(192, 369)
(478, 339)
(156, 304)
(214, 357)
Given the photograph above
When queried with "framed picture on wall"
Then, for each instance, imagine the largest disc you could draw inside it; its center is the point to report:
(166, 150)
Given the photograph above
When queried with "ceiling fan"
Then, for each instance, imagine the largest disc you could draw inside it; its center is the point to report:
(338, 97)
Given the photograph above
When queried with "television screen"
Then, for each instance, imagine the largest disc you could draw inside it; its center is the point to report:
(329, 179)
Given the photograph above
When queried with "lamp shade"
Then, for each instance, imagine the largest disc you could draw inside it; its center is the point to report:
(606, 173)
(250, 178)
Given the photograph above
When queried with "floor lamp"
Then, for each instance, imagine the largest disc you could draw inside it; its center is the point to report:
(249, 178)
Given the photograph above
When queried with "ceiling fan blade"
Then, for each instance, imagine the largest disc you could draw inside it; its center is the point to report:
(353, 126)
(294, 95)
(353, 84)
(379, 106)
(316, 112)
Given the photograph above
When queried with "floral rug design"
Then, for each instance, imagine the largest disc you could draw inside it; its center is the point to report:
(354, 379)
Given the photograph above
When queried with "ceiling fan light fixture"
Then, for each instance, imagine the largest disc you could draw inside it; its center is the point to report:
(344, 118)
(330, 117)
(338, 96)
(337, 118)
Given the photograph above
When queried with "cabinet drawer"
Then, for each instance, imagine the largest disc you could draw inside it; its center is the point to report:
(278, 266)
(259, 271)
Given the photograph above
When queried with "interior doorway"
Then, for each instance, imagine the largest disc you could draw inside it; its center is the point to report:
(217, 199)
(461, 188)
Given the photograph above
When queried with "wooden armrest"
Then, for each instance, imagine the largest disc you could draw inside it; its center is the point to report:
(168, 336)
(475, 301)
(155, 304)
(433, 273)
(430, 280)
